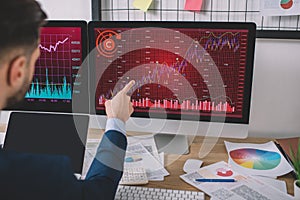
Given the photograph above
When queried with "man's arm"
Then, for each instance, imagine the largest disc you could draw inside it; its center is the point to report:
(107, 168)
(110, 154)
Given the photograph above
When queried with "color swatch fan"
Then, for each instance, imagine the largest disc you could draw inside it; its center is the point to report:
(255, 158)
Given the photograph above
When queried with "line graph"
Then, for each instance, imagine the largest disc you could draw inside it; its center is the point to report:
(195, 51)
(158, 84)
(215, 42)
(54, 84)
(53, 47)
(53, 71)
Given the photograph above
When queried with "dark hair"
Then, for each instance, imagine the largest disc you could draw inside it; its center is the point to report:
(20, 21)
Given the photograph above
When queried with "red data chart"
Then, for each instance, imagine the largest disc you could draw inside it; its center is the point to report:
(60, 49)
(157, 86)
(56, 57)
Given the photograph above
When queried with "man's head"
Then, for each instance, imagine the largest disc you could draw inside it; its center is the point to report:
(20, 21)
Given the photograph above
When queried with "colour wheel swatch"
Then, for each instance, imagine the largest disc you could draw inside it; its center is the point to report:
(255, 158)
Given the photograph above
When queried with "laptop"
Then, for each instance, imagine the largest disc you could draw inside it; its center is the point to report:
(45, 133)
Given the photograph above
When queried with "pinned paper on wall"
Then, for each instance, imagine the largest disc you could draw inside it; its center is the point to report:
(193, 5)
(279, 7)
(142, 4)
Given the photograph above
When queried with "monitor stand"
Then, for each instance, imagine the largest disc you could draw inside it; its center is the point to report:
(172, 144)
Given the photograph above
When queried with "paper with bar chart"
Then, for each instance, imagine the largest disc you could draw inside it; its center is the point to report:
(157, 71)
(59, 61)
(257, 159)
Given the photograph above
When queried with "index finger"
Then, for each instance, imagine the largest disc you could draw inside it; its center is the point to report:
(128, 86)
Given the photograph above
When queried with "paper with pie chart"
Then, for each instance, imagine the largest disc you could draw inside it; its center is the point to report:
(245, 187)
(257, 159)
(279, 7)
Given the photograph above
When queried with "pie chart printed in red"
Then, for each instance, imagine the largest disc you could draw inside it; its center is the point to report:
(224, 172)
(286, 4)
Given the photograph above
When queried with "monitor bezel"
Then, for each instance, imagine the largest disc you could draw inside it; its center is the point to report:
(274, 34)
(251, 27)
(64, 108)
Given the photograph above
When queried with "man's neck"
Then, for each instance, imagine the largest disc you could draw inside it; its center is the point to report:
(1, 104)
(3, 95)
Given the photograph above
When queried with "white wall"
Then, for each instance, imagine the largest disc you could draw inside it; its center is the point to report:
(68, 9)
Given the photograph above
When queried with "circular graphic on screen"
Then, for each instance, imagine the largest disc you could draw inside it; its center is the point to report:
(286, 4)
(255, 158)
(106, 44)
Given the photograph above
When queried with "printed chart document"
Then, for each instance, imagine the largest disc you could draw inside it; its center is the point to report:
(278, 184)
(161, 177)
(147, 141)
(245, 187)
(279, 7)
(154, 168)
(140, 149)
(257, 159)
(90, 152)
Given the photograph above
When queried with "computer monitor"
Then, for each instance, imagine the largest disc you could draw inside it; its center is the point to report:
(275, 97)
(60, 75)
(192, 78)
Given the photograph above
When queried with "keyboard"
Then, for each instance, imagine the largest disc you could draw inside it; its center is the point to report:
(136, 193)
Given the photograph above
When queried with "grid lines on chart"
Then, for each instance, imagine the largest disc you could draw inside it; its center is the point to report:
(56, 58)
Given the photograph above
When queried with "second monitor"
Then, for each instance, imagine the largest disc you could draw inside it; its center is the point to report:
(188, 76)
(60, 75)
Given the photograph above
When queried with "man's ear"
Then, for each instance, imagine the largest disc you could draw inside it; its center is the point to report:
(16, 71)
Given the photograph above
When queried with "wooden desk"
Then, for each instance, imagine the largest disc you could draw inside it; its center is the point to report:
(218, 153)
(2, 128)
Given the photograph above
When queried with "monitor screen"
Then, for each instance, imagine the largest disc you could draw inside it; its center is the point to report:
(59, 76)
(182, 70)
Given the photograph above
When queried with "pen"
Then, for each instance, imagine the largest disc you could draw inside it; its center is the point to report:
(215, 180)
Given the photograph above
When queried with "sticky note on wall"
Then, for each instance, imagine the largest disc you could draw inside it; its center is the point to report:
(142, 4)
(194, 5)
